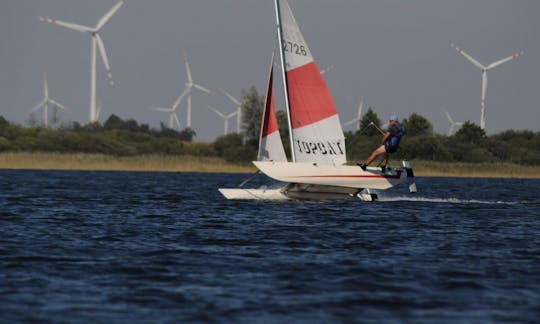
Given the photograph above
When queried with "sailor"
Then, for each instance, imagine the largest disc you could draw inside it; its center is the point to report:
(389, 143)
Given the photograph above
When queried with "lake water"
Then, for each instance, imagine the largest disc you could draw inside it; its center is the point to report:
(166, 247)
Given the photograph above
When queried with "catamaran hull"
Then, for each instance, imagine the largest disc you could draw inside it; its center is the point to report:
(344, 176)
(253, 194)
(308, 181)
(296, 191)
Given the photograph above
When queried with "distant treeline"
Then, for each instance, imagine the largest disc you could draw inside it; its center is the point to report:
(115, 137)
(128, 137)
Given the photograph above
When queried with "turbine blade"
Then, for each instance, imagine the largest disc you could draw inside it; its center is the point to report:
(177, 120)
(468, 57)
(188, 70)
(217, 112)
(98, 112)
(449, 117)
(504, 60)
(109, 14)
(45, 86)
(39, 105)
(360, 107)
(200, 87)
(76, 27)
(57, 104)
(231, 115)
(104, 58)
(450, 130)
(180, 98)
(348, 123)
(160, 109)
(231, 98)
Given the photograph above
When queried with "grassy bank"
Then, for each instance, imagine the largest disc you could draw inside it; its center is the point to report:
(58, 161)
(80, 161)
(475, 170)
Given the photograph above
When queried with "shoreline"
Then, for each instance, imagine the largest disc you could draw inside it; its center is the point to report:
(188, 163)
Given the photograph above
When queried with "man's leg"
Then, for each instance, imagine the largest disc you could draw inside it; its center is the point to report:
(385, 162)
(377, 152)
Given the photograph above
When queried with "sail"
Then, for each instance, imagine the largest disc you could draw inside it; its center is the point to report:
(316, 131)
(270, 145)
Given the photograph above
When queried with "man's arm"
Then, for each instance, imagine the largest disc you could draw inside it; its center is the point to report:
(385, 137)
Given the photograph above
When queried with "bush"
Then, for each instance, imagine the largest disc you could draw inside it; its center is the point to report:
(230, 148)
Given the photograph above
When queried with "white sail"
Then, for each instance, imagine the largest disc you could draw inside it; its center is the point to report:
(317, 135)
(270, 145)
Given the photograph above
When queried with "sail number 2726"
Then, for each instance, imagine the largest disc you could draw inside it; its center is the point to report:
(294, 48)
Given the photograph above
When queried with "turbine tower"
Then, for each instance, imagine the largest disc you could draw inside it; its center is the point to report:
(238, 109)
(190, 85)
(225, 119)
(484, 77)
(97, 43)
(44, 103)
(453, 124)
(358, 116)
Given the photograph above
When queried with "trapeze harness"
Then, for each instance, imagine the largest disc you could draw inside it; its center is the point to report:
(392, 143)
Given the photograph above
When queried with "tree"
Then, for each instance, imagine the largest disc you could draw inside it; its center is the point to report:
(470, 133)
(252, 110)
(369, 117)
(113, 122)
(3, 122)
(230, 148)
(187, 134)
(417, 125)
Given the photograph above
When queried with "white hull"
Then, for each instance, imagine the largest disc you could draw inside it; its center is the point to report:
(346, 176)
(299, 192)
(253, 194)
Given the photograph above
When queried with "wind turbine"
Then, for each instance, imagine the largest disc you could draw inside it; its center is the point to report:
(97, 42)
(484, 77)
(190, 85)
(328, 69)
(238, 109)
(358, 116)
(173, 118)
(44, 103)
(453, 124)
(225, 119)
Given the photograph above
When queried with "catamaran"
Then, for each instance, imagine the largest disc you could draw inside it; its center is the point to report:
(318, 168)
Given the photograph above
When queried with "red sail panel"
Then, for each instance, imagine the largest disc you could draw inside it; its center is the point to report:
(270, 123)
(309, 95)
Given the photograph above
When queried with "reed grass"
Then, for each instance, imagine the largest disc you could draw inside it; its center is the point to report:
(189, 163)
(83, 161)
(475, 170)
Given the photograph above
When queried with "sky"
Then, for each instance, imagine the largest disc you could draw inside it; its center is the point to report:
(395, 54)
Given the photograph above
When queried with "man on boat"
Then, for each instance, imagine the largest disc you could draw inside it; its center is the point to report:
(389, 143)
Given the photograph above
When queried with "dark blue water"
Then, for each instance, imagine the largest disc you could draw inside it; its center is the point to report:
(166, 247)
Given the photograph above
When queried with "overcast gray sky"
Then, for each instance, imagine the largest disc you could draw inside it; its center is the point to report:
(394, 53)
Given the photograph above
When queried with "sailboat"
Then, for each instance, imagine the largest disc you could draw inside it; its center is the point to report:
(318, 168)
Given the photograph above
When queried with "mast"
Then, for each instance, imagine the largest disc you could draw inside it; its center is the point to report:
(282, 56)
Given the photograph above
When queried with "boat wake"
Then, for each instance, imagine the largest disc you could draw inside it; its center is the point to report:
(445, 200)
